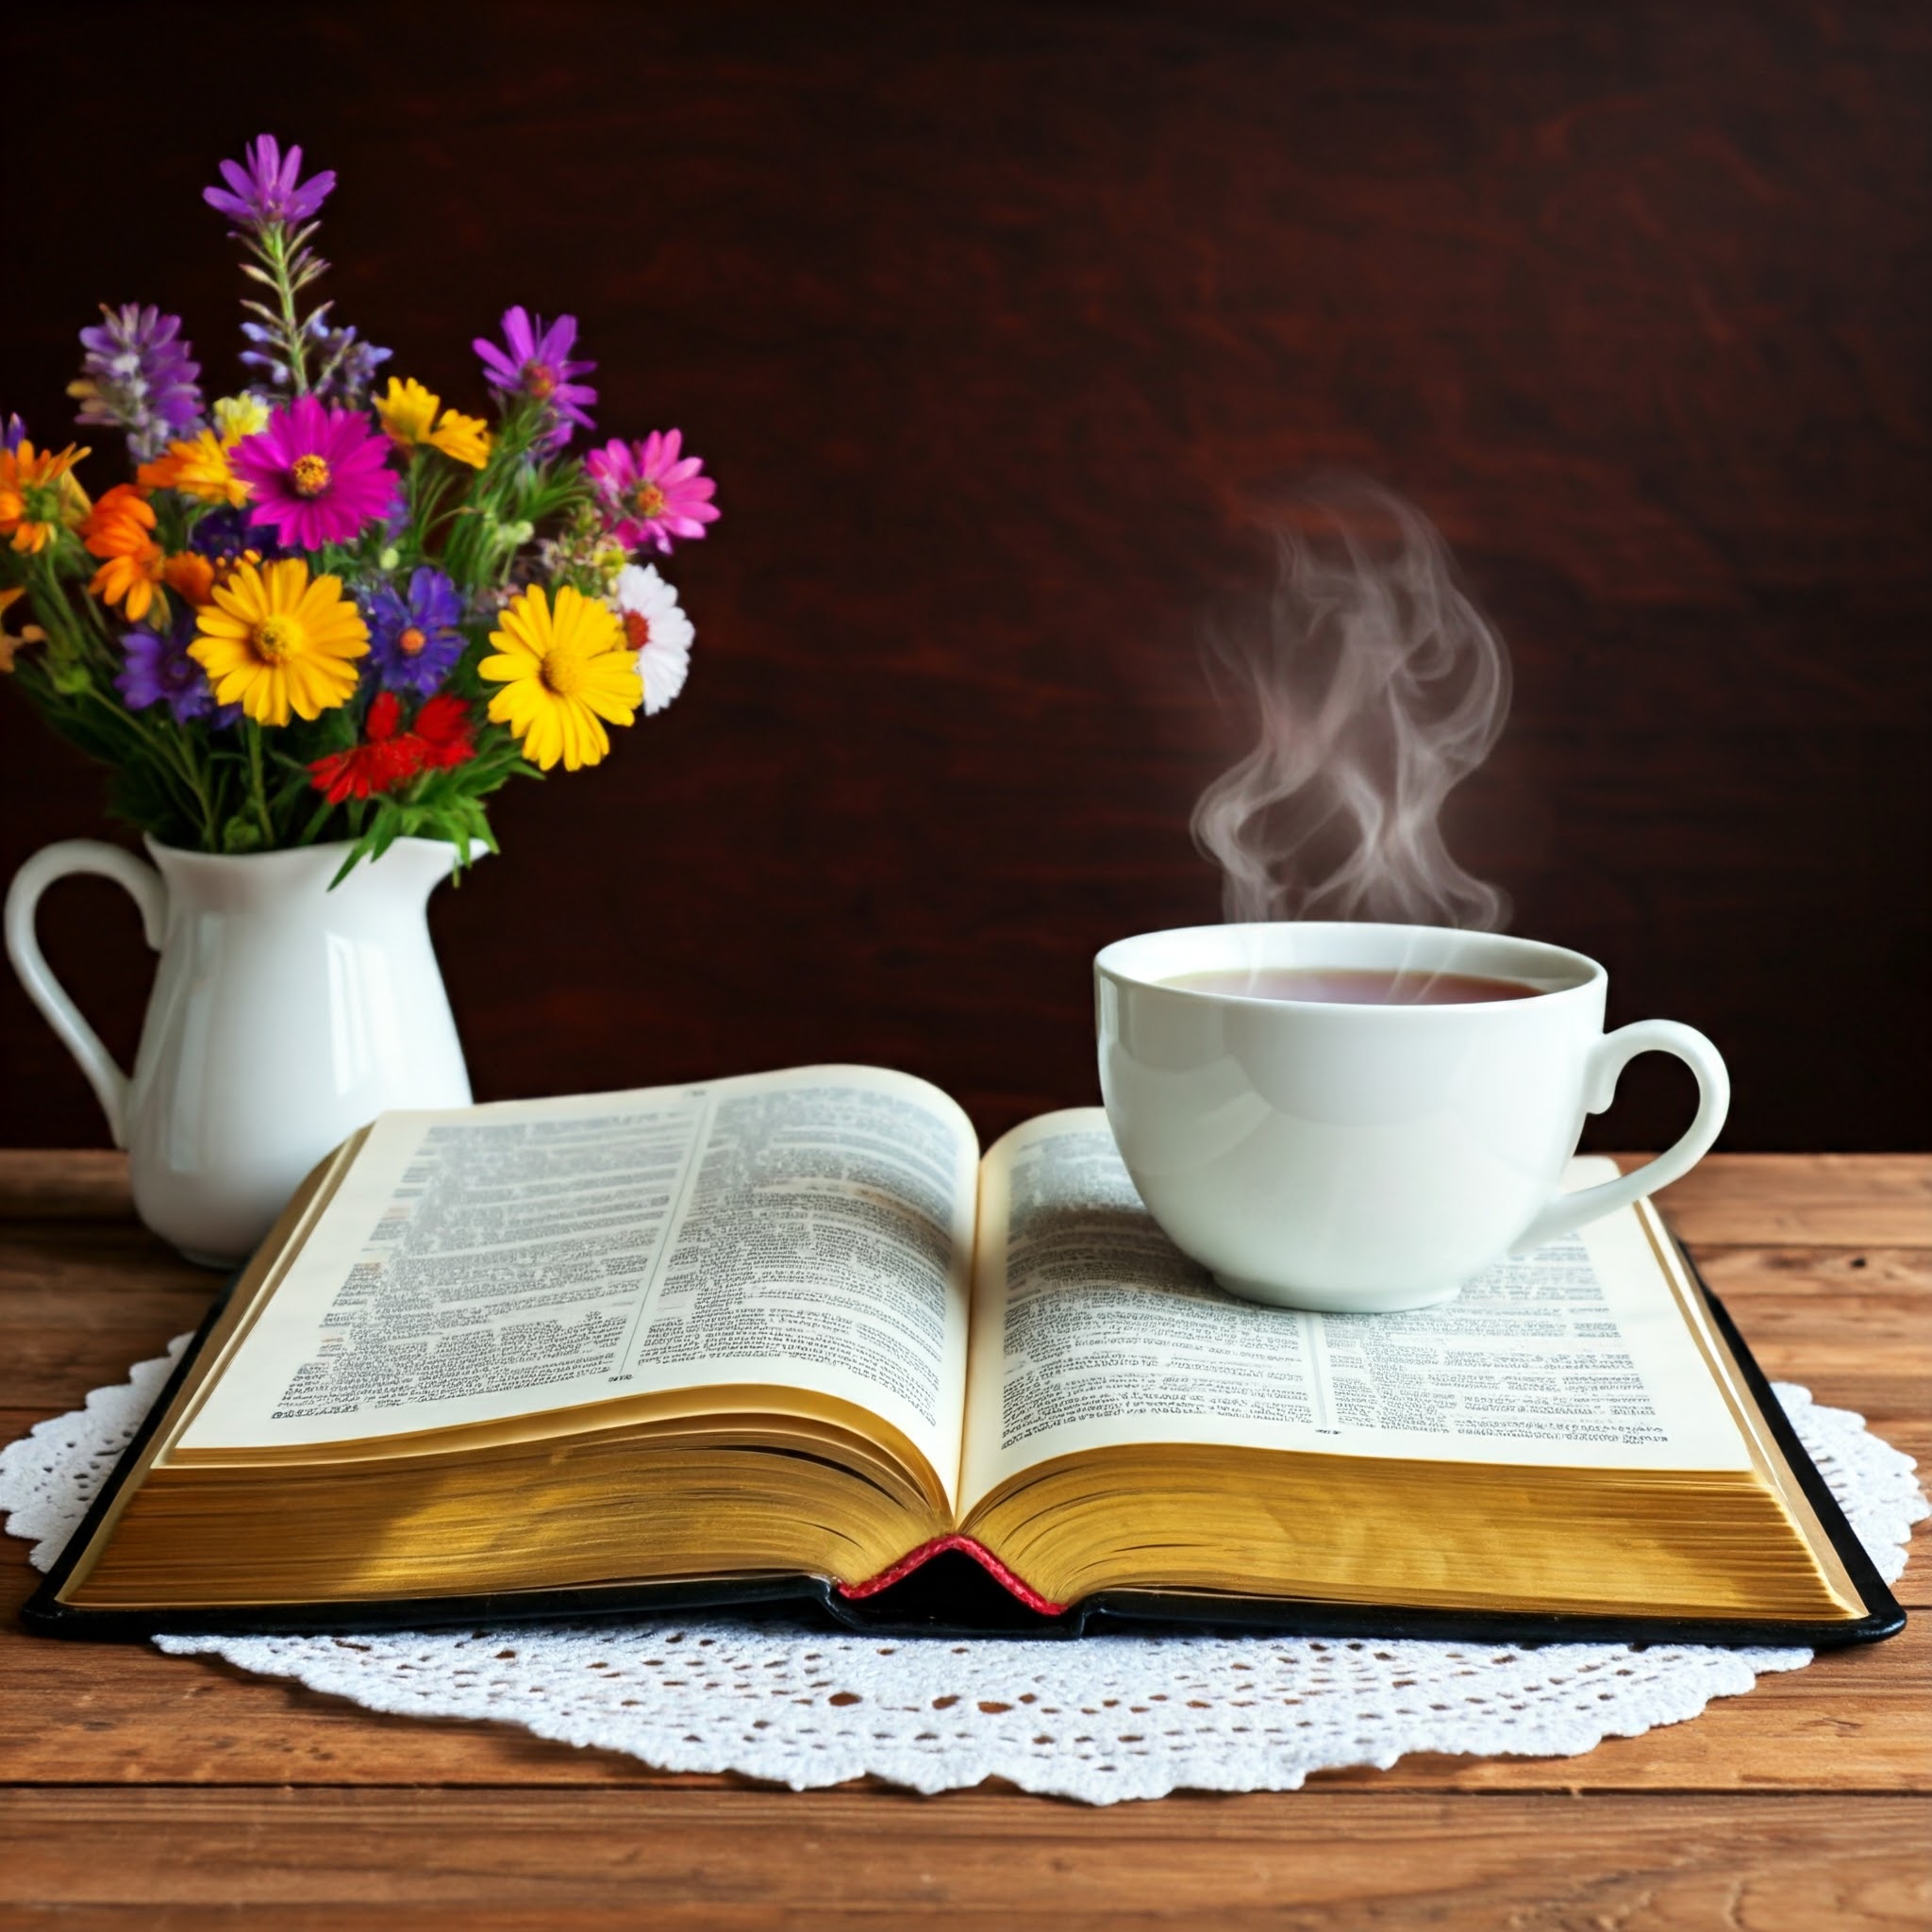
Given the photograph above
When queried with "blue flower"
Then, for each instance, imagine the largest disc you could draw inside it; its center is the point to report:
(413, 641)
(159, 671)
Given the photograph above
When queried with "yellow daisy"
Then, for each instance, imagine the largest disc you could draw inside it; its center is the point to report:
(564, 673)
(199, 468)
(275, 643)
(464, 439)
(239, 416)
(407, 409)
(408, 412)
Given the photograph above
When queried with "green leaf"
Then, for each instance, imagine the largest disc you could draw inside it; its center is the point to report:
(242, 834)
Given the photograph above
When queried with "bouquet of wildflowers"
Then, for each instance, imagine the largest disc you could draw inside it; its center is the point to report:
(318, 612)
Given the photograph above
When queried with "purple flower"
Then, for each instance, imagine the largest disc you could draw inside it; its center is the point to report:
(224, 533)
(12, 434)
(650, 492)
(536, 362)
(159, 671)
(267, 356)
(413, 641)
(265, 193)
(345, 366)
(320, 476)
(137, 376)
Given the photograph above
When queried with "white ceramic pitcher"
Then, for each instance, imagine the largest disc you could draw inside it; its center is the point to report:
(284, 1015)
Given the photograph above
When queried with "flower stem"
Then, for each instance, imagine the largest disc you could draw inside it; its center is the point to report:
(251, 733)
(161, 744)
(67, 632)
(197, 783)
(317, 820)
(274, 252)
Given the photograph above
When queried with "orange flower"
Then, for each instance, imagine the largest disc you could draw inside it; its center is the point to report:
(119, 529)
(199, 468)
(190, 576)
(161, 473)
(10, 642)
(38, 493)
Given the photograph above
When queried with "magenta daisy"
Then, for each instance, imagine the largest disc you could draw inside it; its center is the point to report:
(651, 491)
(536, 362)
(320, 476)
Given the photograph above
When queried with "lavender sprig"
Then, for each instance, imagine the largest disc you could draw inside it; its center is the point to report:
(275, 212)
(348, 364)
(285, 264)
(138, 376)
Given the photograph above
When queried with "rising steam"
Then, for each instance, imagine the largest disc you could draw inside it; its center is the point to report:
(1379, 688)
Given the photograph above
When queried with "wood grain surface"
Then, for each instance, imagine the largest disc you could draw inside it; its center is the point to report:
(691, 1859)
(137, 1789)
(996, 324)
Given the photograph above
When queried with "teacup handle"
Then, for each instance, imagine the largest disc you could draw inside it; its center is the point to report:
(1565, 1213)
(24, 948)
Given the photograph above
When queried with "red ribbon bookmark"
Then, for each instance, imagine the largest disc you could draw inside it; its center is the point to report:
(967, 1546)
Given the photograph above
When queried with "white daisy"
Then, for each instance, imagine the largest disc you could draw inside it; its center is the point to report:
(658, 630)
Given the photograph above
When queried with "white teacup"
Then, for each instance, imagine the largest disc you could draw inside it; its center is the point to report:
(1320, 1154)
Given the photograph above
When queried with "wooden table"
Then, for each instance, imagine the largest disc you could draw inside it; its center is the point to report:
(159, 1791)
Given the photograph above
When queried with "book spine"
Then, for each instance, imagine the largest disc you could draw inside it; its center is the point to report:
(967, 1546)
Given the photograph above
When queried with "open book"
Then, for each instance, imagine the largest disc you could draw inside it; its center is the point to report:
(790, 1332)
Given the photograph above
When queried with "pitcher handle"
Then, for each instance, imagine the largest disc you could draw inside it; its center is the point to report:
(143, 883)
(1614, 1051)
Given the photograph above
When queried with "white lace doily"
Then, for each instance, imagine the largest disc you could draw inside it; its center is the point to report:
(1101, 1719)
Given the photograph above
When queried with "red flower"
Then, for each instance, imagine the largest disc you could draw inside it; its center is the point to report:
(384, 759)
(444, 732)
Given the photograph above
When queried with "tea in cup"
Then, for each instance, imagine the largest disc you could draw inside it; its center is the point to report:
(1360, 1117)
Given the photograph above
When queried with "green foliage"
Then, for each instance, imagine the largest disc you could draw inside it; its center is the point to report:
(250, 787)
(528, 514)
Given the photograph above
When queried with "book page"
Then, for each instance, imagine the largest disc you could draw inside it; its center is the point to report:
(1091, 1329)
(809, 1229)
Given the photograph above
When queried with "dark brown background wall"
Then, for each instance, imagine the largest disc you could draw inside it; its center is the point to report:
(990, 320)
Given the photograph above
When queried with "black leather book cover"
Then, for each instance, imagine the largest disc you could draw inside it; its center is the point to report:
(948, 1594)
